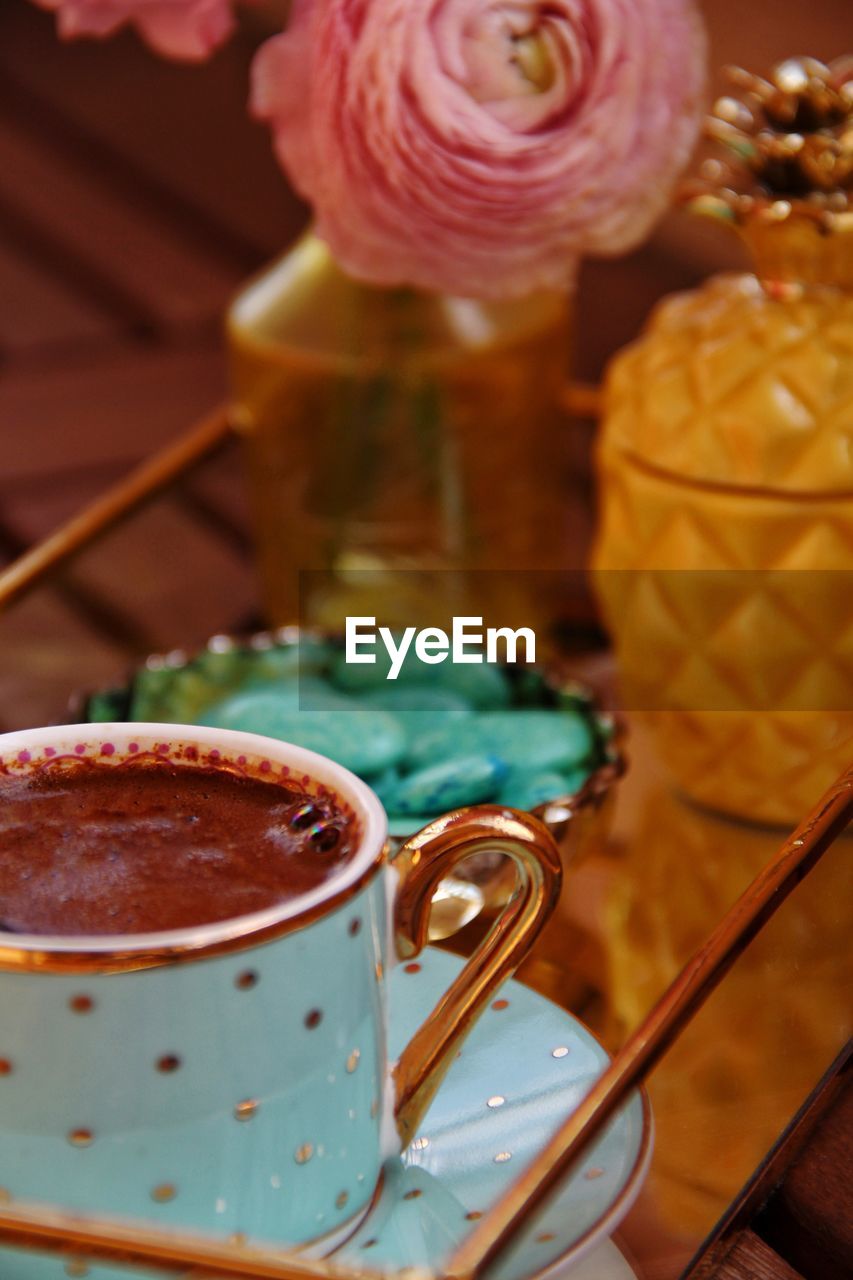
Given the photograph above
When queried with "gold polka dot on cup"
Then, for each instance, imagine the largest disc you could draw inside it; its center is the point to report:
(164, 1192)
(545, 1237)
(560, 1052)
(246, 980)
(81, 1137)
(5, 1067)
(313, 1018)
(354, 927)
(81, 1004)
(168, 1063)
(496, 1100)
(502, 1157)
(371, 1243)
(592, 1174)
(473, 1215)
(413, 1194)
(353, 1060)
(498, 1005)
(341, 1199)
(304, 1153)
(246, 1109)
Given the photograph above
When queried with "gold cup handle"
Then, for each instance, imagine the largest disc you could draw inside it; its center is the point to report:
(421, 864)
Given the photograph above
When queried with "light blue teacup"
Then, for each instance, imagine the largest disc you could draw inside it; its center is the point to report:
(231, 1075)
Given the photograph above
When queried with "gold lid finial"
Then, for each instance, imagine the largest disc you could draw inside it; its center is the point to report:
(785, 180)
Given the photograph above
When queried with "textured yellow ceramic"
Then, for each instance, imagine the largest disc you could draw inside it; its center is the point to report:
(726, 474)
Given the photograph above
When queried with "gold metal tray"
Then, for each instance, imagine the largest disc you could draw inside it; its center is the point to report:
(56, 1232)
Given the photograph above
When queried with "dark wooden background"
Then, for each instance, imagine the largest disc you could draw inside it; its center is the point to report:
(135, 196)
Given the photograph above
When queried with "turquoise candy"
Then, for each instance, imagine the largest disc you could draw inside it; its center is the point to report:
(368, 742)
(485, 687)
(419, 709)
(308, 694)
(525, 788)
(284, 662)
(359, 677)
(385, 785)
(313, 694)
(481, 685)
(460, 781)
(533, 740)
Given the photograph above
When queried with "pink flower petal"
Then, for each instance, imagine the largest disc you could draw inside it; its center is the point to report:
(187, 29)
(482, 146)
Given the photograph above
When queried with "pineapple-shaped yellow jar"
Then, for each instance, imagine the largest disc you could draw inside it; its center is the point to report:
(725, 547)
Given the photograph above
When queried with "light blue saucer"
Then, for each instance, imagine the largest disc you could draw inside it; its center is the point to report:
(525, 1066)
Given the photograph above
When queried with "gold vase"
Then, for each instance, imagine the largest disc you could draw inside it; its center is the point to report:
(725, 544)
(389, 430)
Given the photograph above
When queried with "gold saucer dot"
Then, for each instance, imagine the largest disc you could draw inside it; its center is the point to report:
(498, 1005)
(81, 1004)
(313, 1018)
(304, 1153)
(5, 1067)
(592, 1174)
(544, 1237)
(412, 967)
(497, 1100)
(169, 1062)
(473, 1216)
(353, 1060)
(560, 1052)
(246, 980)
(413, 1194)
(502, 1157)
(164, 1192)
(246, 1109)
(81, 1137)
(341, 1199)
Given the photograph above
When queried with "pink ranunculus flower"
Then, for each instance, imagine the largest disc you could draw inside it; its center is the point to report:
(482, 146)
(188, 29)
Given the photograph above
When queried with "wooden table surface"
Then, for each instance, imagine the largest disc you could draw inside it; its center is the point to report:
(135, 197)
